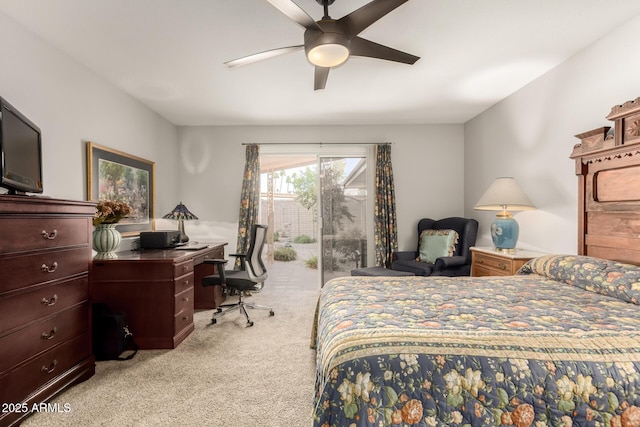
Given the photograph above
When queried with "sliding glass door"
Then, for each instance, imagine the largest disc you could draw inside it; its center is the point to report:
(317, 209)
(342, 192)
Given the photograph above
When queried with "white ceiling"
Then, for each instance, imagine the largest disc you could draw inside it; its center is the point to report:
(169, 54)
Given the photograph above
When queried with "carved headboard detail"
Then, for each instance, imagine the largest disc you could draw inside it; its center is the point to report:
(608, 170)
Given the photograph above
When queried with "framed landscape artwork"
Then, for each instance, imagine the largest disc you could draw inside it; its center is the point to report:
(115, 175)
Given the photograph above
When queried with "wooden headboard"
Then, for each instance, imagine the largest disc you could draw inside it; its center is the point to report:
(608, 170)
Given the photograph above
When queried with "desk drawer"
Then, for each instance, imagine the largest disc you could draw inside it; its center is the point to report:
(19, 346)
(131, 271)
(184, 301)
(184, 282)
(182, 321)
(19, 309)
(184, 310)
(42, 233)
(183, 268)
(26, 270)
(16, 385)
(214, 253)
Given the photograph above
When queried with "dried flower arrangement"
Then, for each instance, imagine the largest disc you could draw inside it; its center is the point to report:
(110, 212)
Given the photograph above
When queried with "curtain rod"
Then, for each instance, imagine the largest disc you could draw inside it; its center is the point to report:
(317, 143)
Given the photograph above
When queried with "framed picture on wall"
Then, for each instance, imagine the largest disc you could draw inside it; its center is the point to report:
(115, 175)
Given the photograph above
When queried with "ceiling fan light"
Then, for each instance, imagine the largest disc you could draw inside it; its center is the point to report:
(328, 55)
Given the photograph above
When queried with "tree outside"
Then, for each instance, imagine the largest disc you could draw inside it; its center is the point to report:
(342, 217)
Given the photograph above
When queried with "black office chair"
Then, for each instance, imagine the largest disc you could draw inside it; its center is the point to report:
(239, 282)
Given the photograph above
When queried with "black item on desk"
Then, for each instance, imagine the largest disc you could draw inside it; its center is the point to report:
(111, 335)
(159, 239)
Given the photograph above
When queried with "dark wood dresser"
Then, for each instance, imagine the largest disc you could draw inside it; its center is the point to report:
(45, 334)
(156, 290)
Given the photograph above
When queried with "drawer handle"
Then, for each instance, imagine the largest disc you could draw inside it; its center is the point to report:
(185, 268)
(49, 302)
(49, 369)
(185, 299)
(49, 236)
(186, 282)
(502, 266)
(480, 261)
(49, 335)
(185, 317)
(49, 269)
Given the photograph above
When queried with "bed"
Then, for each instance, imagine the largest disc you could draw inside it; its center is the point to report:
(556, 345)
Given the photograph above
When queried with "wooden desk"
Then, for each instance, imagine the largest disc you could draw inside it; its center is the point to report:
(156, 290)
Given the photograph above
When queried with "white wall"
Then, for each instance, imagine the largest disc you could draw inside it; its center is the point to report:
(530, 136)
(73, 105)
(201, 166)
(426, 161)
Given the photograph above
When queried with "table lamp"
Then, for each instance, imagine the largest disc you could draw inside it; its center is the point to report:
(503, 195)
(181, 213)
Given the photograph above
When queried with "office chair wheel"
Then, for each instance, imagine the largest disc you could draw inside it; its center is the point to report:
(249, 324)
(214, 321)
(271, 313)
(219, 310)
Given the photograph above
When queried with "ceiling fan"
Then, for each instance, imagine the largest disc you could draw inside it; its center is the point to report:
(330, 42)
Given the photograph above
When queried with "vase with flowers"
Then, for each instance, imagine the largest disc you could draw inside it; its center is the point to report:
(105, 236)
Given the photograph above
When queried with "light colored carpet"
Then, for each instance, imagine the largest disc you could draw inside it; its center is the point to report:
(221, 375)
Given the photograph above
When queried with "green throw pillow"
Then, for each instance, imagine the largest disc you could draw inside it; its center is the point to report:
(437, 243)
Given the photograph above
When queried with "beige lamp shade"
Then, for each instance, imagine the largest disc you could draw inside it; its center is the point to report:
(504, 194)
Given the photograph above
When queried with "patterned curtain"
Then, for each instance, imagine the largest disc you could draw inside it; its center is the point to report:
(249, 199)
(386, 229)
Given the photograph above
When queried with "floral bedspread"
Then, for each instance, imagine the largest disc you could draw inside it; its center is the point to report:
(556, 345)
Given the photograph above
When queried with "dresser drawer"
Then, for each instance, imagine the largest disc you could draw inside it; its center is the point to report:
(500, 265)
(22, 308)
(27, 270)
(17, 384)
(489, 261)
(486, 262)
(19, 346)
(20, 235)
(183, 268)
(479, 271)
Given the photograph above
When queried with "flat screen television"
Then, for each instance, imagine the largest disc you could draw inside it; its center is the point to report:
(20, 152)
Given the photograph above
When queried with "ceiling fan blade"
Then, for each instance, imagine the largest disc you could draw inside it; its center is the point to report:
(296, 14)
(262, 55)
(320, 77)
(364, 47)
(355, 22)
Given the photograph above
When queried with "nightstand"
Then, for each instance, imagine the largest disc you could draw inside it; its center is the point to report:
(486, 261)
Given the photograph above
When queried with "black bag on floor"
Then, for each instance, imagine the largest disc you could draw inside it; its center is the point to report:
(111, 335)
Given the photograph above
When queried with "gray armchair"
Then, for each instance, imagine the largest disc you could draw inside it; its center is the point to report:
(457, 265)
